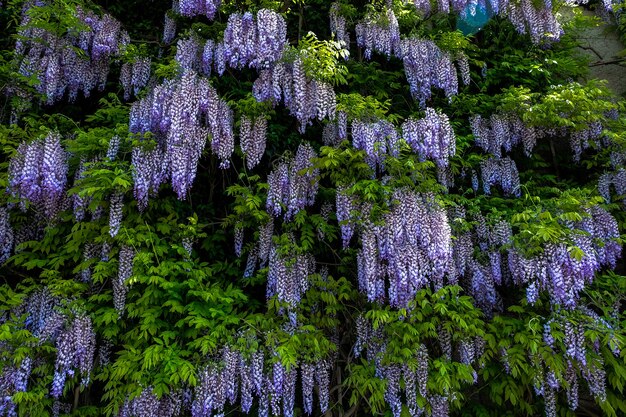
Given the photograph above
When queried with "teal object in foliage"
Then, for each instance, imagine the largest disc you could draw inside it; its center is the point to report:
(473, 18)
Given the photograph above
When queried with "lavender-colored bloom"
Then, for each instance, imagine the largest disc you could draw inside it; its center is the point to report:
(169, 29)
(6, 235)
(115, 212)
(431, 137)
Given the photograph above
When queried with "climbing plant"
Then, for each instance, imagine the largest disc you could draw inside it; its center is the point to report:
(223, 207)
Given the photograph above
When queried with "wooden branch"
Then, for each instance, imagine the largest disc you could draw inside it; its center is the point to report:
(611, 62)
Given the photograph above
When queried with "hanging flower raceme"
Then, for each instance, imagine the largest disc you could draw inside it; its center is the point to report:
(412, 249)
(38, 174)
(503, 172)
(293, 184)
(125, 270)
(191, 8)
(235, 376)
(253, 139)
(617, 179)
(338, 25)
(182, 113)
(147, 404)
(380, 34)
(503, 131)
(431, 137)
(378, 139)
(288, 275)
(76, 346)
(6, 235)
(306, 99)
(134, 76)
(70, 63)
(426, 66)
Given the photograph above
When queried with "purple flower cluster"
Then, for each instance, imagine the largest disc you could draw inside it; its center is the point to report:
(503, 131)
(500, 171)
(288, 275)
(561, 273)
(235, 376)
(444, 6)
(125, 270)
(76, 346)
(413, 249)
(38, 174)
(70, 63)
(293, 184)
(378, 139)
(182, 113)
(431, 137)
(43, 321)
(116, 204)
(540, 24)
(146, 404)
(426, 66)
(6, 235)
(617, 179)
(191, 8)
(169, 29)
(338, 25)
(134, 76)
(579, 139)
(248, 42)
(253, 137)
(380, 33)
(306, 99)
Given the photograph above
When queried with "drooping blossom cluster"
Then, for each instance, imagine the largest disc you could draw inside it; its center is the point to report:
(293, 184)
(415, 376)
(253, 137)
(6, 235)
(579, 139)
(426, 66)
(169, 29)
(182, 113)
(249, 41)
(582, 355)
(146, 404)
(378, 139)
(503, 131)
(617, 179)
(486, 258)
(431, 137)
(70, 63)
(125, 270)
(261, 252)
(38, 174)
(506, 130)
(558, 271)
(502, 172)
(116, 204)
(134, 76)
(380, 34)
(540, 23)
(412, 250)
(235, 377)
(336, 130)
(76, 347)
(256, 43)
(306, 99)
(338, 25)
(346, 205)
(288, 275)
(191, 8)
